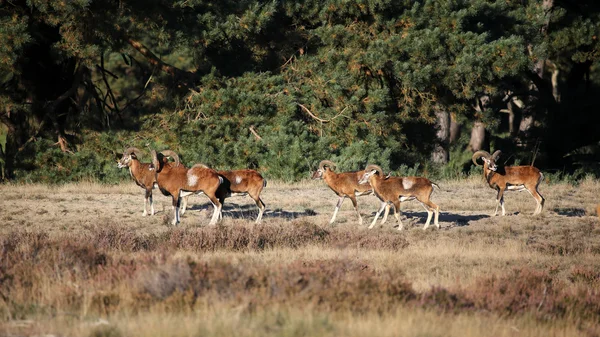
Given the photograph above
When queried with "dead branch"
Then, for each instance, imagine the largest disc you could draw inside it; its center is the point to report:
(320, 119)
(156, 61)
(251, 128)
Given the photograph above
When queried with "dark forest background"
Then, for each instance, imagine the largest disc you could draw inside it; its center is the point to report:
(414, 86)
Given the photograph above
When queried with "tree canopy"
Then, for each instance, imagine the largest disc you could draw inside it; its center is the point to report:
(281, 85)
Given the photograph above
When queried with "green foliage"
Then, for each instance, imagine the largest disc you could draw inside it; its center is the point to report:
(279, 86)
(95, 162)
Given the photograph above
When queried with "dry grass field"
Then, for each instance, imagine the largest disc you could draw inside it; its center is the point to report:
(80, 260)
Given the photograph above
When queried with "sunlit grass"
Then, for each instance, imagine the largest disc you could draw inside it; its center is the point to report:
(90, 264)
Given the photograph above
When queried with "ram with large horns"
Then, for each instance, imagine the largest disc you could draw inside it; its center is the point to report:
(394, 190)
(142, 175)
(344, 184)
(511, 178)
(175, 180)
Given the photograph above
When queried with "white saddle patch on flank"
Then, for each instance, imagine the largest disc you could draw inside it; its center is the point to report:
(238, 179)
(192, 179)
(516, 187)
(406, 198)
(407, 183)
(358, 194)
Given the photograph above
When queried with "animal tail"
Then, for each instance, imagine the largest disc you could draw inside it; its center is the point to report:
(264, 182)
(436, 185)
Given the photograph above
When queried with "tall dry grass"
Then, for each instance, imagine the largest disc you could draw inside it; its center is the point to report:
(79, 262)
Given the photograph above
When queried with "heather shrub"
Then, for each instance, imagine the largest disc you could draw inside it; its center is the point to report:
(514, 292)
(584, 275)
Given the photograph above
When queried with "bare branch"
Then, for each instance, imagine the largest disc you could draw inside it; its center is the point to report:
(156, 61)
(251, 128)
(320, 119)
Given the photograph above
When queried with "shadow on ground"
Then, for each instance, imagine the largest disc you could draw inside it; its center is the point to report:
(419, 218)
(250, 211)
(570, 212)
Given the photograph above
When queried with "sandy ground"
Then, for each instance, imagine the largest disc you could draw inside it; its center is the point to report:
(81, 206)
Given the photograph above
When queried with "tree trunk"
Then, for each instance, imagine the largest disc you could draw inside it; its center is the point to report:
(14, 137)
(477, 137)
(440, 153)
(454, 129)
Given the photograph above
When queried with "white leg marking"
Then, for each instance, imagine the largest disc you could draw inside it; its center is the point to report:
(260, 214)
(151, 206)
(215, 216)
(385, 214)
(538, 205)
(360, 220)
(175, 217)
(337, 208)
(429, 214)
(184, 205)
(397, 215)
(145, 202)
(383, 203)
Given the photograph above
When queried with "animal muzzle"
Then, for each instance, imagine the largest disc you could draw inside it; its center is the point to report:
(317, 175)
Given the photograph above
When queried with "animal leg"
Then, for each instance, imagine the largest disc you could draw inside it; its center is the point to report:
(217, 211)
(337, 208)
(429, 214)
(539, 199)
(146, 202)
(151, 204)
(383, 203)
(175, 220)
(436, 209)
(261, 208)
(386, 213)
(355, 204)
(184, 205)
(499, 200)
(222, 201)
(396, 206)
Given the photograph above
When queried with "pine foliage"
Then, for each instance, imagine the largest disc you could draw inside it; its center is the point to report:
(279, 85)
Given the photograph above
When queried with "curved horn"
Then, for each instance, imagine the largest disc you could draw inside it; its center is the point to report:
(154, 160)
(171, 154)
(496, 155)
(324, 163)
(134, 150)
(374, 167)
(478, 154)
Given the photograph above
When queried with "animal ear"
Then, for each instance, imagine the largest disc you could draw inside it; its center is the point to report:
(118, 156)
